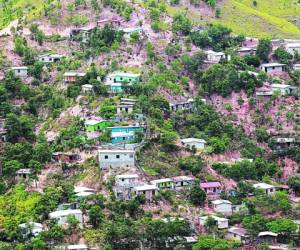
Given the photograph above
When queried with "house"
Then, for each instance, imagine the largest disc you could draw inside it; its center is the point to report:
(82, 33)
(62, 216)
(237, 234)
(127, 101)
(86, 88)
(21, 72)
(3, 131)
(83, 191)
(267, 237)
(77, 247)
(127, 180)
(129, 31)
(166, 183)
(31, 228)
(188, 105)
(23, 174)
(116, 158)
(283, 143)
(211, 188)
(264, 91)
(267, 188)
(222, 223)
(222, 206)
(193, 143)
(293, 48)
(67, 206)
(92, 125)
(270, 68)
(124, 134)
(124, 108)
(283, 89)
(182, 181)
(112, 21)
(50, 58)
(117, 79)
(149, 191)
(296, 66)
(216, 57)
(245, 51)
(72, 76)
(62, 157)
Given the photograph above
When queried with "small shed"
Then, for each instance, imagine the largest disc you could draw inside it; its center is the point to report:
(87, 88)
(193, 143)
(238, 234)
(267, 188)
(149, 191)
(73, 76)
(62, 215)
(222, 223)
(270, 68)
(77, 247)
(268, 237)
(21, 72)
(31, 228)
(23, 174)
(215, 57)
(50, 58)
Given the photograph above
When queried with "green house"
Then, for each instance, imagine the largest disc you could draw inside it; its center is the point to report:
(95, 125)
(117, 78)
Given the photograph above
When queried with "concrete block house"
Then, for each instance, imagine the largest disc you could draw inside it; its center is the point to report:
(238, 234)
(21, 72)
(62, 216)
(222, 206)
(149, 191)
(124, 134)
(23, 174)
(72, 76)
(266, 188)
(166, 183)
(182, 181)
(221, 223)
(116, 158)
(270, 68)
(50, 58)
(117, 79)
(215, 57)
(92, 125)
(211, 188)
(193, 143)
(124, 185)
(188, 105)
(293, 48)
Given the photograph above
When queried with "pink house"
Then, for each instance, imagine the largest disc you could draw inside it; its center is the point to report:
(211, 187)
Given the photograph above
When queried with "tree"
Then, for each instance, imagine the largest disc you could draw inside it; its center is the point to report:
(96, 215)
(282, 55)
(264, 48)
(181, 23)
(294, 183)
(197, 195)
(209, 243)
(254, 224)
(282, 226)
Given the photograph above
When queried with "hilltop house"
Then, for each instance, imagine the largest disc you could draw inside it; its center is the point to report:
(267, 188)
(211, 188)
(21, 72)
(245, 51)
(270, 68)
(62, 157)
(215, 57)
(149, 191)
(188, 105)
(86, 88)
(117, 79)
(31, 228)
(293, 48)
(222, 206)
(166, 183)
(182, 181)
(3, 131)
(73, 76)
(238, 234)
(124, 134)
(23, 174)
(92, 125)
(283, 89)
(116, 158)
(222, 223)
(193, 143)
(50, 58)
(62, 216)
(124, 185)
(129, 31)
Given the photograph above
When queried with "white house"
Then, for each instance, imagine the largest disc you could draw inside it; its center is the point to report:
(222, 206)
(270, 68)
(193, 143)
(267, 188)
(124, 108)
(50, 58)
(77, 247)
(188, 104)
(183, 181)
(215, 57)
(31, 228)
(127, 180)
(116, 158)
(296, 66)
(292, 48)
(86, 88)
(23, 174)
(21, 72)
(81, 191)
(283, 89)
(149, 191)
(62, 215)
(237, 234)
(222, 223)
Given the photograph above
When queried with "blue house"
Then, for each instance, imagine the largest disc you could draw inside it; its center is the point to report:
(123, 134)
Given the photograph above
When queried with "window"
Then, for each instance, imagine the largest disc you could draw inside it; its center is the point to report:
(124, 138)
(118, 156)
(131, 155)
(106, 157)
(121, 78)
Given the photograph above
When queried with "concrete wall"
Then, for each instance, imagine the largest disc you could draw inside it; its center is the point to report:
(115, 160)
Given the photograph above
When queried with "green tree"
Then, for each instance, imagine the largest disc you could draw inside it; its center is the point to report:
(209, 243)
(264, 48)
(282, 226)
(181, 23)
(197, 195)
(96, 215)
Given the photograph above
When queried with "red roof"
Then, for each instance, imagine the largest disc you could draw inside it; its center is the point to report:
(210, 184)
